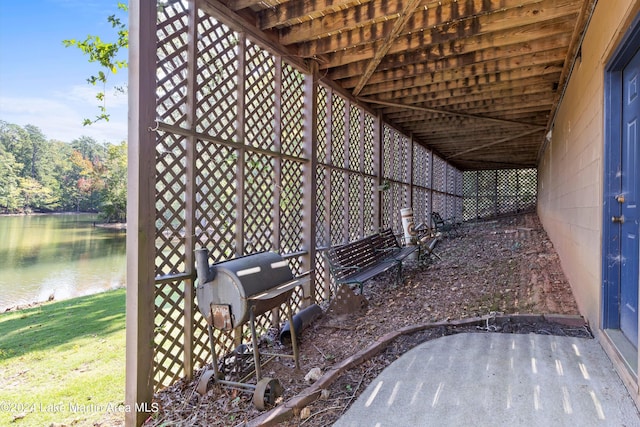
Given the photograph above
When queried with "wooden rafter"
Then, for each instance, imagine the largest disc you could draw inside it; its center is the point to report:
(398, 26)
(453, 74)
(451, 113)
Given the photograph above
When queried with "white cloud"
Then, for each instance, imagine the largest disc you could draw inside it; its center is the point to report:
(61, 117)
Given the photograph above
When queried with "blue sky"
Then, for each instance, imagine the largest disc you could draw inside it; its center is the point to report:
(43, 83)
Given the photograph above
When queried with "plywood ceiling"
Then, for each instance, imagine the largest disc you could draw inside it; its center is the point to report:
(477, 81)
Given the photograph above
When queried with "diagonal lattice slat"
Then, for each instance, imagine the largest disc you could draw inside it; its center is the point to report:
(169, 336)
(292, 132)
(246, 173)
(170, 204)
(259, 98)
(291, 207)
(216, 169)
(259, 207)
(321, 120)
(216, 79)
(338, 126)
(171, 74)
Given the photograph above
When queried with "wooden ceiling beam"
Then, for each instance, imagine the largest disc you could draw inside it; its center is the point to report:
(428, 29)
(430, 93)
(462, 79)
(463, 48)
(428, 61)
(438, 21)
(398, 26)
(447, 70)
(296, 12)
(453, 113)
(342, 21)
(495, 103)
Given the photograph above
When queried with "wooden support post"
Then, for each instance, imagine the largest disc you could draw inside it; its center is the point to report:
(310, 181)
(240, 162)
(377, 170)
(190, 197)
(140, 307)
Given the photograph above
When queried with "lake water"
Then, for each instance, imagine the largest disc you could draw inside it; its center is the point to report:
(60, 255)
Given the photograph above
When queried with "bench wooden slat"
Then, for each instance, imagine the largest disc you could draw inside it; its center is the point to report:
(361, 260)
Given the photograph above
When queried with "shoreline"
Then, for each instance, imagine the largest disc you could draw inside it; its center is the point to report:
(52, 299)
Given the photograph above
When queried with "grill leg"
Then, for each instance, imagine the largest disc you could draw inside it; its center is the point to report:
(254, 341)
(294, 339)
(213, 353)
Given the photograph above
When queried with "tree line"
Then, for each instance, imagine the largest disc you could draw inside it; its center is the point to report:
(40, 175)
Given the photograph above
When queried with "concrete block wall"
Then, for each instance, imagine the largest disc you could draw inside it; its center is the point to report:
(570, 180)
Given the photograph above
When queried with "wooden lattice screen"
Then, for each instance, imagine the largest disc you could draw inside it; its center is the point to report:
(490, 193)
(253, 154)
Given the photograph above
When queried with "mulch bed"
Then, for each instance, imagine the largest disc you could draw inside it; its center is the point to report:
(484, 282)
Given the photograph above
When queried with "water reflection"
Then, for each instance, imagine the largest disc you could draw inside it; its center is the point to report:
(60, 255)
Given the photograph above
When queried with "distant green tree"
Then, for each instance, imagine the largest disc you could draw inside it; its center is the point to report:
(34, 196)
(9, 182)
(114, 205)
(110, 55)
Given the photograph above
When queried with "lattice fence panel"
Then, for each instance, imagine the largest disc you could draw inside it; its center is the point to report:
(320, 275)
(396, 152)
(439, 202)
(338, 129)
(421, 207)
(201, 344)
(216, 79)
(321, 121)
(387, 151)
(486, 193)
(369, 144)
(291, 207)
(169, 334)
(355, 157)
(170, 204)
(528, 189)
(259, 207)
(355, 203)
(507, 191)
(292, 111)
(421, 166)
(216, 209)
(494, 192)
(259, 97)
(402, 171)
(439, 175)
(172, 75)
(322, 232)
(368, 207)
(470, 191)
(394, 199)
(337, 206)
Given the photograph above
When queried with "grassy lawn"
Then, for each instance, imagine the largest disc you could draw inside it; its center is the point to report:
(63, 362)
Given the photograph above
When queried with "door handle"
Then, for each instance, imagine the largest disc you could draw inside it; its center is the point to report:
(618, 219)
(620, 198)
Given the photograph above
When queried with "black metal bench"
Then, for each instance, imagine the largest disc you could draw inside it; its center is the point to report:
(361, 260)
(389, 244)
(445, 226)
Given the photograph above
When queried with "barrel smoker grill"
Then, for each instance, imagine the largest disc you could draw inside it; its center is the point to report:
(234, 292)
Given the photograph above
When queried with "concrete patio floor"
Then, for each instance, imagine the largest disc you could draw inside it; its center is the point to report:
(493, 379)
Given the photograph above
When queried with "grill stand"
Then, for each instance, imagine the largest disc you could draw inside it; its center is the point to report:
(254, 341)
(267, 390)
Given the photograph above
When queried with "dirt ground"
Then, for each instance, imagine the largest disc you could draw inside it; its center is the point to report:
(504, 266)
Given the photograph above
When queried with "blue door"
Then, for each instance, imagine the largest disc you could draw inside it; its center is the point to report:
(628, 221)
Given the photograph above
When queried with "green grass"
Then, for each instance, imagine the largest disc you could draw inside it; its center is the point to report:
(63, 362)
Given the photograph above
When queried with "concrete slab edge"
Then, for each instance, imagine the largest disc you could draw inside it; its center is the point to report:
(312, 393)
